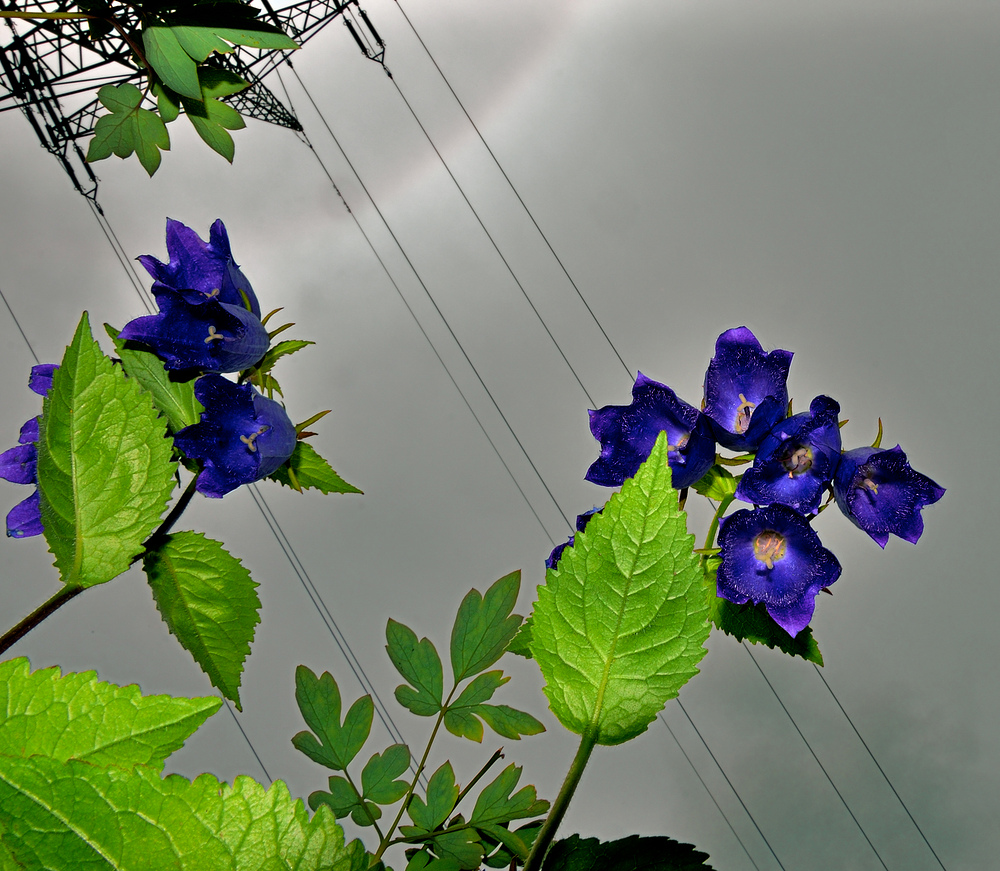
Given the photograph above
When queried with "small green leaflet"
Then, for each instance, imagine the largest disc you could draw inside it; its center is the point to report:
(128, 128)
(442, 794)
(621, 623)
(76, 716)
(104, 465)
(461, 715)
(208, 601)
(378, 778)
(211, 117)
(310, 471)
(418, 662)
(752, 623)
(496, 803)
(634, 853)
(484, 627)
(174, 52)
(338, 743)
(174, 399)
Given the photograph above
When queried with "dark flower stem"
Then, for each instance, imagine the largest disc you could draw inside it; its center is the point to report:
(61, 597)
(560, 805)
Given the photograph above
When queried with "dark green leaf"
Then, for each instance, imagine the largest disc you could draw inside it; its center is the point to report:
(481, 689)
(281, 349)
(752, 623)
(520, 839)
(634, 853)
(496, 804)
(462, 847)
(464, 724)
(319, 701)
(509, 722)
(104, 465)
(311, 471)
(442, 793)
(484, 627)
(378, 779)
(128, 128)
(716, 484)
(341, 799)
(171, 63)
(174, 399)
(208, 601)
(167, 102)
(418, 663)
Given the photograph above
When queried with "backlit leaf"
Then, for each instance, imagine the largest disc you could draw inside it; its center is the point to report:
(418, 662)
(311, 471)
(319, 701)
(484, 627)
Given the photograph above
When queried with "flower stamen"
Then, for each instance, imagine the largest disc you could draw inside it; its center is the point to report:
(797, 461)
(214, 336)
(769, 547)
(249, 440)
(744, 412)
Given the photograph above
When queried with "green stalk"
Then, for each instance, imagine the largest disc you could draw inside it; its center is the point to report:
(559, 806)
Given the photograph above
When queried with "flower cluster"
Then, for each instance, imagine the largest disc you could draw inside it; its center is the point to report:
(769, 554)
(209, 322)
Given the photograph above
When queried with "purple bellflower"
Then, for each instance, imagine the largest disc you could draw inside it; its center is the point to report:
(581, 524)
(242, 437)
(20, 463)
(796, 460)
(745, 391)
(881, 494)
(627, 434)
(772, 555)
(209, 317)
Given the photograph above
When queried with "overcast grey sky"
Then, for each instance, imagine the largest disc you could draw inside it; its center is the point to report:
(824, 173)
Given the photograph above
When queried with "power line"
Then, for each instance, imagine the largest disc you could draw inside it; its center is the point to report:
(510, 184)
(17, 324)
(822, 768)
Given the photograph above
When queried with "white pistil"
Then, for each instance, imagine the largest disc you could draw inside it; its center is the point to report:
(214, 336)
(250, 439)
(743, 414)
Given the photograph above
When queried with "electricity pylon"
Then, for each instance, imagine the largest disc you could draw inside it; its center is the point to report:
(45, 64)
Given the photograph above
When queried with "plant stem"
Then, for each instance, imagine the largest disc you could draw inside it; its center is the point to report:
(62, 596)
(559, 806)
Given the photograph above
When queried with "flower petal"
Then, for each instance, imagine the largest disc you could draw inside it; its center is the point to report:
(25, 519)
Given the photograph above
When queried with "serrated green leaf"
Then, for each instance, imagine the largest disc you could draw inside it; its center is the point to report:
(319, 701)
(104, 465)
(208, 601)
(279, 350)
(509, 722)
(171, 63)
(80, 717)
(174, 399)
(311, 471)
(75, 816)
(442, 793)
(418, 662)
(484, 627)
(496, 804)
(634, 853)
(752, 623)
(621, 623)
(716, 484)
(378, 779)
(520, 644)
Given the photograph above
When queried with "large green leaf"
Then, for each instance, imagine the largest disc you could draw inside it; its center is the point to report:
(174, 399)
(74, 816)
(634, 853)
(484, 627)
(207, 600)
(128, 128)
(104, 465)
(310, 471)
(76, 716)
(621, 623)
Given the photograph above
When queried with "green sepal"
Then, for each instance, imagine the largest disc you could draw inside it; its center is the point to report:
(484, 627)
(77, 716)
(634, 853)
(209, 603)
(716, 484)
(622, 621)
(104, 465)
(311, 471)
(174, 399)
(378, 778)
(752, 623)
(128, 128)
(319, 701)
(418, 662)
